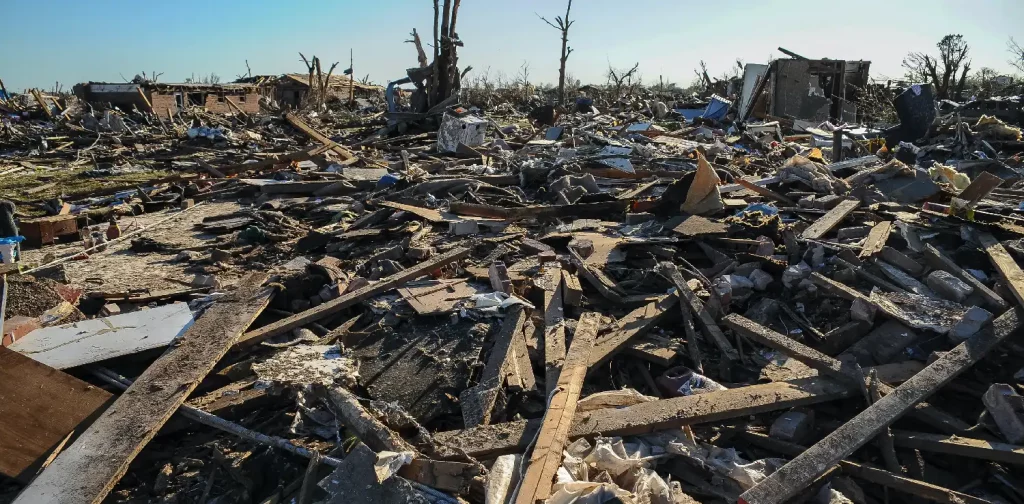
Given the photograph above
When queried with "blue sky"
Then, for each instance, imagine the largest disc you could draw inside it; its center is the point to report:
(45, 41)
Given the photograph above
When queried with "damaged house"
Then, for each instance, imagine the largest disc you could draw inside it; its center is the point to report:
(801, 88)
(159, 97)
(292, 89)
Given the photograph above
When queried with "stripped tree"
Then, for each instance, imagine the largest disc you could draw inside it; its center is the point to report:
(563, 25)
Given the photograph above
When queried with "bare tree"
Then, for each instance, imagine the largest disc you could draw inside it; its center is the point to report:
(421, 56)
(563, 25)
(1017, 52)
(942, 71)
(318, 82)
(620, 78)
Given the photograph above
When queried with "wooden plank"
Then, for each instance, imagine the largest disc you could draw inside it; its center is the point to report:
(478, 401)
(704, 319)
(940, 261)
(149, 105)
(899, 259)
(804, 469)
(823, 225)
(514, 437)
(835, 368)
(282, 326)
(876, 239)
(300, 125)
(519, 375)
(554, 432)
(554, 327)
(872, 474)
(764, 191)
(424, 213)
(633, 193)
(39, 407)
(980, 187)
(87, 470)
(1006, 265)
(961, 446)
(633, 324)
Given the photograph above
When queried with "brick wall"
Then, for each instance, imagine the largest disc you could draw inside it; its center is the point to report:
(161, 102)
(217, 104)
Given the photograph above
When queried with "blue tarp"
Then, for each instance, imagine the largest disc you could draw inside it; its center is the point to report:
(718, 107)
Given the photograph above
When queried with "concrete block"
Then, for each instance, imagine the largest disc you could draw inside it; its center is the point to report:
(1007, 409)
(850, 233)
(760, 279)
(793, 427)
(863, 311)
(187, 203)
(971, 323)
(948, 286)
(419, 253)
(206, 281)
(463, 227)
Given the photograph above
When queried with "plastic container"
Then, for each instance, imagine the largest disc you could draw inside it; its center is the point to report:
(9, 249)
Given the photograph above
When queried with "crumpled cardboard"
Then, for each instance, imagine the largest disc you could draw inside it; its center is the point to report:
(703, 196)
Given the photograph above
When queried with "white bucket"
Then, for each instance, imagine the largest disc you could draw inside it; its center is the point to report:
(7, 252)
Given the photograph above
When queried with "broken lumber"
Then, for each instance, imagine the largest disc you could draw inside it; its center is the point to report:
(643, 418)
(826, 222)
(364, 426)
(1005, 265)
(633, 324)
(940, 261)
(554, 328)
(301, 125)
(87, 470)
(961, 446)
(804, 469)
(871, 474)
(706, 322)
(764, 191)
(554, 432)
(835, 368)
(423, 213)
(478, 402)
(282, 326)
(876, 239)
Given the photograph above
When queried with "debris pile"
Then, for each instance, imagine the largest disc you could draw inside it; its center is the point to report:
(607, 302)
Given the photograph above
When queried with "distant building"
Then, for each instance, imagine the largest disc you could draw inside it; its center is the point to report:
(292, 89)
(160, 97)
(814, 90)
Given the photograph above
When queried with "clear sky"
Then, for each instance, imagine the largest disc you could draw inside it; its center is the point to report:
(45, 41)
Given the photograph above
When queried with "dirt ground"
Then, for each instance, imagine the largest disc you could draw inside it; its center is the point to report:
(119, 268)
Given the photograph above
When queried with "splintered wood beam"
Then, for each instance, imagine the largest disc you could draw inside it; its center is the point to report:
(871, 474)
(88, 469)
(961, 446)
(764, 191)
(253, 338)
(478, 402)
(706, 322)
(633, 324)
(823, 225)
(489, 440)
(554, 327)
(876, 239)
(554, 431)
(1007, 267)
(835, 368)
(301, 125)
(811, 464)
(940, 261)
(423, 213)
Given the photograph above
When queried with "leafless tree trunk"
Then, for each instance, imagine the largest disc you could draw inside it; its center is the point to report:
(563, 25)
(421, 56)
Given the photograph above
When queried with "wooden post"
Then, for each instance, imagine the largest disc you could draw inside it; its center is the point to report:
(39, 100)
(351, 80)
(145, 100)
(554, 432)
(837, 145)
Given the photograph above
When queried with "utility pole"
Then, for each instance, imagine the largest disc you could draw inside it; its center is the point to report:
(351, 80)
